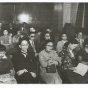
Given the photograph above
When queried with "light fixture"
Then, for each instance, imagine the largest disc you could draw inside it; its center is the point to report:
(25, 17)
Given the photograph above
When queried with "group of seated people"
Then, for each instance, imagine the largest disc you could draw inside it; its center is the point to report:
(28, 58)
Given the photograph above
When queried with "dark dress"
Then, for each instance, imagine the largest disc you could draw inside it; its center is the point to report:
(20, 62)
(84, 55)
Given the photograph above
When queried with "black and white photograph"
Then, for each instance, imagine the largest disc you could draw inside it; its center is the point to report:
(43, 43)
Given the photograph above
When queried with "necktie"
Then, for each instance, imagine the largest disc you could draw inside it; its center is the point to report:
(24, 53)
(80, 41)
(33, 46)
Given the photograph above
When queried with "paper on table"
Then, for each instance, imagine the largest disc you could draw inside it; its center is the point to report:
(81, 69)
(5, 77)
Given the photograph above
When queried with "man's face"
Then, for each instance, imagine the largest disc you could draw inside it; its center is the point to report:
(73, 46)
(5, 32)
(32, 37)
(24, 45)
(47, 36)
(2, 54)
(80, 35)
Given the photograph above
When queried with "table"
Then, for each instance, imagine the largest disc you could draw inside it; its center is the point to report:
(68, 76)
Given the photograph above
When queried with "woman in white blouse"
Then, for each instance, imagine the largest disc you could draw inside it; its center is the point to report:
(61, 43)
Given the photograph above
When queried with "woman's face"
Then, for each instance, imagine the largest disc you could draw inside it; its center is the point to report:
(72, 46)
(80, 35)
(64, 37)
(5, 32)
(32, 37)
(47, 36)
(24, 45)
(49, 46)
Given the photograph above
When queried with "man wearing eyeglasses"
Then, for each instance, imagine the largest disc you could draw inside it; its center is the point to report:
(34, 47)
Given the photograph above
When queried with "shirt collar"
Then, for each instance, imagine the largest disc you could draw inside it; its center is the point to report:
(24, 53)
(4, 57)
(30, 41)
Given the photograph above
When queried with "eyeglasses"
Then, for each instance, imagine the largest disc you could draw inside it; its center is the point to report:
(64, 36)
(49, 45)
(47, 36)
(32, 36)
(24, 45)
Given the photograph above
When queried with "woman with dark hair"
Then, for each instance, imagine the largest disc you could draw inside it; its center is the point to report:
(48, 61)
(16, 38)
(24, 63)
(6, 40)
(61, 43)
(68, 54)
(46, 36)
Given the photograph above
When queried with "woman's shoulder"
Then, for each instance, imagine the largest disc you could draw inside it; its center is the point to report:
(59, 42)
(42, 52)
(53, 51)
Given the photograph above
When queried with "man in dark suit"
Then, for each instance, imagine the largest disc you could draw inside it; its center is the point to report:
(24, 28)
(34, 48)
(24, 63)
(12, 29)
(33, 45)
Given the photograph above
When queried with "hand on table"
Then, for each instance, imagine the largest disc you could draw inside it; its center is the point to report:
(33, 74)
(20, 72)
(72, 68)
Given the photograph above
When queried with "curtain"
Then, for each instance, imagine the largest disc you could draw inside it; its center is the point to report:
(79, 17)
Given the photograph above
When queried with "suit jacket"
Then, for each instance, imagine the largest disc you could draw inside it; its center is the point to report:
(37, 47)
(13, 30)
(20, 62)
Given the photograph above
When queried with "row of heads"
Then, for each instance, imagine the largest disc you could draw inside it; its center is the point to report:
(48, 44)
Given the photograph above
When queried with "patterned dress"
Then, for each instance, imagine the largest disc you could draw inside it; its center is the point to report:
(7, 41)
(67, 59)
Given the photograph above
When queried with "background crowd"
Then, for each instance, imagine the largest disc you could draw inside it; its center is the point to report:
(34, 55)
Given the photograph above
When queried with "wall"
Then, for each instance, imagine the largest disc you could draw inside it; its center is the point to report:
(53, 15)
(74, 8)
(66, 13)
(58, 15)
(69, 13)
